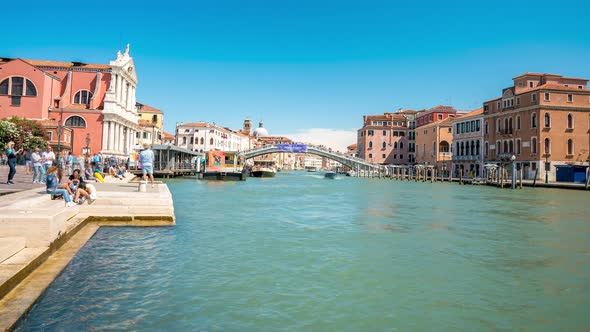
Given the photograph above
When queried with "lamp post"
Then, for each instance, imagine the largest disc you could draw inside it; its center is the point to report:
(513, 159)
(87, 146)
(547, 167)
(59, 130)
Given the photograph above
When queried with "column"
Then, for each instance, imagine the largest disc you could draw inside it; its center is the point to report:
(110, 136)
(116, 137)
(105, 135)
(122, 132)
(119, 89)
(128, 100)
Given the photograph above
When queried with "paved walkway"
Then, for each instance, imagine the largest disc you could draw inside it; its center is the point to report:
(22, 181)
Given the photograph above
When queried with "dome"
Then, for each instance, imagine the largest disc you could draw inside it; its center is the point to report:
(260, 131)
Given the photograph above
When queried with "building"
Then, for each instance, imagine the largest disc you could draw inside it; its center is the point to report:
(433, 144)
(434, 114)
(93, 100)
(65, 141)
(168, 139)
(543, 120)
(151, 124)
(383, 139)
(411, 116)
(203, 137)
(284, 160)
(351, 150)
(468, 142)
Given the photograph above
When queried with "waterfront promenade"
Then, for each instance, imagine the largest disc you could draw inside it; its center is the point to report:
(39, 236)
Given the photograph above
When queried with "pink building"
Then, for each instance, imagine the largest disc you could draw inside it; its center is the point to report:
(383, 139)
(92, 100)
(434, 114)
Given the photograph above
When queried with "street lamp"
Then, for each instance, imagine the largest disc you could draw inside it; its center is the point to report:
(513, 159)
(87, 145)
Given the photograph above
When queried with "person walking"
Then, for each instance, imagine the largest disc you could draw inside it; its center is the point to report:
(37, 167)
(28, 162)
(146, 158)
(48, 160)
(11, 155)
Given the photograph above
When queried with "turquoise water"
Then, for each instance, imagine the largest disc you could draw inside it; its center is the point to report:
(304, 253)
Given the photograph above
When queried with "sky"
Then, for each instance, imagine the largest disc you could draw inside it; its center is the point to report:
(309, 69)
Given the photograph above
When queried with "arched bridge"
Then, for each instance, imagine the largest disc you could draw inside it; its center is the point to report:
(350, 161)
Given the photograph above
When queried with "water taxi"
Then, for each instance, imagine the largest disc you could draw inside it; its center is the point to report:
(264, 169)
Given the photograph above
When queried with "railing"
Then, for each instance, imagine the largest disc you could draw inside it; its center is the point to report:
(445, 154)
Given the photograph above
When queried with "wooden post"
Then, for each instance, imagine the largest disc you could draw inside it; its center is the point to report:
(451, 175)
(460, 175)
(535, 179)
(502, 176)
(520, 174)
(432, 175)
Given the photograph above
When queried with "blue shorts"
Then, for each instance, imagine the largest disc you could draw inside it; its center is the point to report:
(147, 170)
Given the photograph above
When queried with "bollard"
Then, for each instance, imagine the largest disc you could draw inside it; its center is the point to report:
(142, 186)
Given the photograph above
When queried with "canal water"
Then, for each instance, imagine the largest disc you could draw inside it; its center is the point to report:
(304, 253)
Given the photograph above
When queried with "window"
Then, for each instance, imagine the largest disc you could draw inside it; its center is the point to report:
(385, 133)
(570, 147)
(394, 145)
(531, 84)
(486, 128)
(534, 145)
(383, 156)
(211, 141)
(144, 135)
(155, 119)
(518, 146)
(14, 100)
(547, 146)
(462, 151)
(498, 125)
(506, 147)
(184, 140)
(518, 122)
(440, 116)
(370, 155)
(486, 148)
(76, 121)
(517, 100)
(570, 98)
(534, 120)
(370, 133)
(83, 97)
(370, 145)
(383, 145)
(401, 145)
(570, 121)
(458, 129)
(401, 156)
(202, 140)
(137, 134)
(4, 87)
(31, 90)
(477, 125)
(511, 146)
(498, 147)
(477, 148)
(547, 96)
(547, 120)
(17, 86)
(192, 140)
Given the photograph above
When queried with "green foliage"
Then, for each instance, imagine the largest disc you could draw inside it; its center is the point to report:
(8, 132)
(25, 133)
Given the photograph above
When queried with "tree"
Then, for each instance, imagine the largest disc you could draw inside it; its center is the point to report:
(8, 132)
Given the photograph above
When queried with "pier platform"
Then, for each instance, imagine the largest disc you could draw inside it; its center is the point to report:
(39, 236)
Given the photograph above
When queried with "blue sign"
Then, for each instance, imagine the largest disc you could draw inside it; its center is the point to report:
(295, 148)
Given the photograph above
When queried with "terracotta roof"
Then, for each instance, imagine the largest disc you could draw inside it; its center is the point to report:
(352, 147)
(476, 112)
(45, 63)
(48, 122)
(407, 112)
(548, 86)
(195, 124)
(147, 108)
(76, 107)
(167, 135)
(442, 108)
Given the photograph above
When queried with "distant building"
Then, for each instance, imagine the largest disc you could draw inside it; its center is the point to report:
(543, 120)
(468, 142)
(203, 137)
(383, 139)
(433, 144)
(151, 124)
(168, 139)
(434, 114)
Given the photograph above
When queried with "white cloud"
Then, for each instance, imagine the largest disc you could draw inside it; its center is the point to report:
(337, 139)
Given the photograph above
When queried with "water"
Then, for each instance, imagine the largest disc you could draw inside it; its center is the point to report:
(304, 253)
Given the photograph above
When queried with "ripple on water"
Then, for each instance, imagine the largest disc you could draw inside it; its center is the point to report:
(299, 252)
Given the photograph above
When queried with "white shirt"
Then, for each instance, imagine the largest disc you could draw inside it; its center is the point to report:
(49, 157)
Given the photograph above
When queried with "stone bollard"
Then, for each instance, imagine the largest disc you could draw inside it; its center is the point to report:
(142, 186)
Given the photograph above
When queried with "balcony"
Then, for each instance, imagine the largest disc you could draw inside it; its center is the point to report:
(466, 158)
(445, 155)
(506, 131)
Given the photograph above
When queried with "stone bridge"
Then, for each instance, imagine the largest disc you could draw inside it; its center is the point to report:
(354, 163)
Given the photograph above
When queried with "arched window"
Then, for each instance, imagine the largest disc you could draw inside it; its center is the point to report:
(518, 146)
(498, 125)
(547, 120)
(445, 147)
(487, 128)
(401, 145)
(506, 127)
(83, 97)
(383, 145)
(394, 145)
(457, 149)
(511, 146)
(211, 141)
(570, 147)
(462, 153)
(202, 141)
(472, 148)
(76, 121)
(18, 86)
(547, 146)
(477, 148)
(370, 145)
(510, 125)
(506, 147)
(533, 145)
(570, 121)
(534, 120)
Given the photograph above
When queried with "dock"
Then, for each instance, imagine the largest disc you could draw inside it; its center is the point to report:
(39, 236)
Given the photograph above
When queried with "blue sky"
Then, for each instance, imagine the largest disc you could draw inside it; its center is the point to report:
(303, 65)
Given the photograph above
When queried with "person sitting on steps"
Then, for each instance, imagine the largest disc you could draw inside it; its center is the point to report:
(52, 187)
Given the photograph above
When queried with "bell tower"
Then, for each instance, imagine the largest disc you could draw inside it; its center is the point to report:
(247, 126)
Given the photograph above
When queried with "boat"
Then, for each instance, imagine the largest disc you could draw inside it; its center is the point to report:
(224, 166)
(330, 175)
(311, 168)
(264, 169)
(350, 173)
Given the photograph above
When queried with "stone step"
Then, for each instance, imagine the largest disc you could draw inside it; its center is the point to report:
(24, 256)
(100, 210)
(9, 246)
(40, 226)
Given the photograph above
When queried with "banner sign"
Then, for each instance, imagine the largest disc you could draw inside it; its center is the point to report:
(295, 148)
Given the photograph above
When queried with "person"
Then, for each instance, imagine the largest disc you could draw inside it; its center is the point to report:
(37, 168)
(70, 161)
(113, 172)
(88, 173)
(81, 162)
(11, 155)
(146, 158)
(48, 159)
(87, 192)
(28, 162)
(52, 186)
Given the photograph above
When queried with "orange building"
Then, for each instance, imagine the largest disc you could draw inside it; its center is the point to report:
(543, 120)
(434, 142)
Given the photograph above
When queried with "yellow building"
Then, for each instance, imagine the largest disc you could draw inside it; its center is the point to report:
(151, 125)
